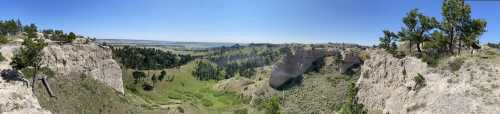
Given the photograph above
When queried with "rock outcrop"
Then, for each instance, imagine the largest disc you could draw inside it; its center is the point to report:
(84, 59)
(295, 64)
(15, 96)
(299, 60)
(387, 85)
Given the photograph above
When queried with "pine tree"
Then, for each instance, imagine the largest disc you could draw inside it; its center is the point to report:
(162, 76)
(388, 41)
(31, 31)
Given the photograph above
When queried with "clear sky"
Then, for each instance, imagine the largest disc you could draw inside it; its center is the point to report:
(275, 21)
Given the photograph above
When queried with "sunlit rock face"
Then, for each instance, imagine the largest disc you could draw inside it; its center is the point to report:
(387, 85)
(75, 60)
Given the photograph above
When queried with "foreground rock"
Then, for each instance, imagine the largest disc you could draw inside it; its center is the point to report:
(387, 85)
(15, 96)
(84, 59)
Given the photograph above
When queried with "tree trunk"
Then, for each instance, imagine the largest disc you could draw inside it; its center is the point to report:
(34, 81)
(459, 46)
(450, 44)
(410, 46)
(418, 48)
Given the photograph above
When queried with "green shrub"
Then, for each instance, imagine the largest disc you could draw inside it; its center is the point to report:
(206, 102)
(456, 64)
(351, 106)
(419, 81)
(3, 39)
(241, 111)
(431, 60)
(272, 105)
(1, 57)
(29, 54)
(29, 72)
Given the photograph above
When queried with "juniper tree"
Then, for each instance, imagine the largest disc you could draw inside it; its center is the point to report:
(388, 41)
(417, 27)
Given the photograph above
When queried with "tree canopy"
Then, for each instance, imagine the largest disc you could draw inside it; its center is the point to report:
(149, 58)
(457, 30)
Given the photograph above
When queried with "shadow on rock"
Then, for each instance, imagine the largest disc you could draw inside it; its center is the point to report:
(290, 83)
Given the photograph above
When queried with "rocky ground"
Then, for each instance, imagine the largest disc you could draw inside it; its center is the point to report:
(462, 84)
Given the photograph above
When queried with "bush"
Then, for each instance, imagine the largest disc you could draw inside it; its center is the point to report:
(351, 106)
(29, 54)
(419, 81)
(206, 102)
(431, 60)
(456, 64)
(147, 87)
(30, 72)
(241, 111)
(272, 105)
(3, 39)
(1, 57)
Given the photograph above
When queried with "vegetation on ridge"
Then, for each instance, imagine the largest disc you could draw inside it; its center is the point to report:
(433, 39)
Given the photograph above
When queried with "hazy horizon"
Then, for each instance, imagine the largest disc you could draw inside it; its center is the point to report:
(260, 21)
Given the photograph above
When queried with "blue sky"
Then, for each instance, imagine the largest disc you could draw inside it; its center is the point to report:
(275, 21)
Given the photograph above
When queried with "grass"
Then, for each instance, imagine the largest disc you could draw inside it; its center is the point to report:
(351, 106)
(184, 89)
(1, 57)
(4, 39)
(78, 93)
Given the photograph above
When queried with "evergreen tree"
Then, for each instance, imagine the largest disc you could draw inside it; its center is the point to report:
(162, 76)
(71, 36)
(417, 27)
(31, 31)
(388, 41)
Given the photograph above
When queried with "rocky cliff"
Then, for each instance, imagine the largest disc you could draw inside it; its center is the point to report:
(387, 85)
(294, 64)
(84, 59)
(15, 96)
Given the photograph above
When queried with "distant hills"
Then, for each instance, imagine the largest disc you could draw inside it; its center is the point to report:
(164, 43)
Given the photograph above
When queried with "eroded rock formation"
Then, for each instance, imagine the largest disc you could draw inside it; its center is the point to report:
(294, 64)
(15, 96)
(90, 59)
(387, 85)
